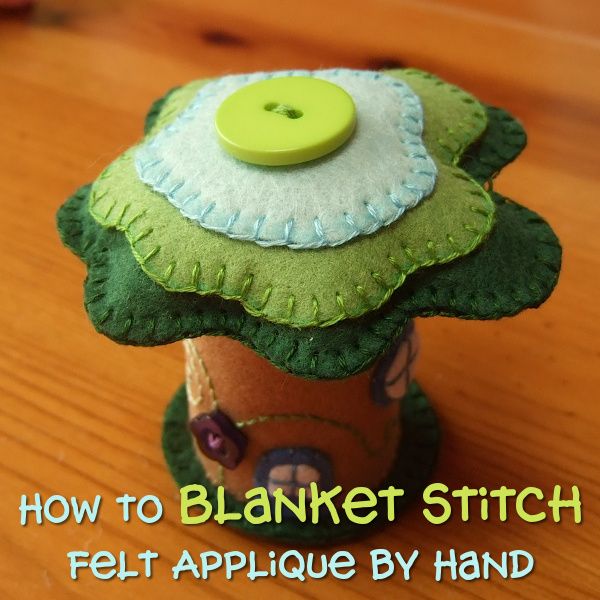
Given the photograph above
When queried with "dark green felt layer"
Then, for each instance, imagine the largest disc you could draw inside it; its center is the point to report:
(502, 141)
(516, 268)
(411, 471)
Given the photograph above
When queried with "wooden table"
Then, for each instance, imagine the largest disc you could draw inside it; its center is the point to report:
(81, 415)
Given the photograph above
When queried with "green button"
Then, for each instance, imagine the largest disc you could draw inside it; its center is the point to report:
(285, 120)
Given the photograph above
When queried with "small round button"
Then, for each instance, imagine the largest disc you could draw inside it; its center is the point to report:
(218, 438)
(285, 120)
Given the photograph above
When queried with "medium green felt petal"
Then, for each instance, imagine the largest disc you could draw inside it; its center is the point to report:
(128, 307)
(164, 110)
(501, 143)
(300, 288)
(453, 118)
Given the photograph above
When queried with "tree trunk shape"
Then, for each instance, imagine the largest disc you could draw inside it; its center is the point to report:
(337, 432)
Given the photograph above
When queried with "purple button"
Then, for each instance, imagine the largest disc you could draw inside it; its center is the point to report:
(219, 439)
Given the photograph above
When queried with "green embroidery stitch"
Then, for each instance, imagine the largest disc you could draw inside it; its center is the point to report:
(195, 361)
(356, 433)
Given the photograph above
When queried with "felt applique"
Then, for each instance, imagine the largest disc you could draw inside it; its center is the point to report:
(297, 288)
(454, 119)
(515, 269)
(393, 373)
(312, 287)
(161, 317)
(219, 438)
(502, 141)
(276, 409)
(155, 276)
(294, 469)
(414, 461)
(323, 202)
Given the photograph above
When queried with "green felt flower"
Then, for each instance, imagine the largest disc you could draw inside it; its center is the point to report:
(516, 268)
(309, 288)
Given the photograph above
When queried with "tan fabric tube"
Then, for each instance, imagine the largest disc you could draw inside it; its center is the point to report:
(337, 419)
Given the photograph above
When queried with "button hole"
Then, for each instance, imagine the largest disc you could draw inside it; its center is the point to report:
(283, 109)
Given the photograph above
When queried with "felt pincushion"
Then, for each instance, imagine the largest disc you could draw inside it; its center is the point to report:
(294, 286)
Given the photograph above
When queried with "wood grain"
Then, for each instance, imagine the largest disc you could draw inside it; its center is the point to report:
(518, 399)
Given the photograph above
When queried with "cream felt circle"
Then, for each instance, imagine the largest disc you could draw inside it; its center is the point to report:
(368, 182)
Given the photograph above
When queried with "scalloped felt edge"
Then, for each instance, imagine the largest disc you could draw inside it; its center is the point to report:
(415, 461)
(450, 143)
(518, 231)
(502, 141)
(340, 351)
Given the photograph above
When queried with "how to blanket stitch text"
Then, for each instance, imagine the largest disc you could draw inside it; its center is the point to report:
(362, 505)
